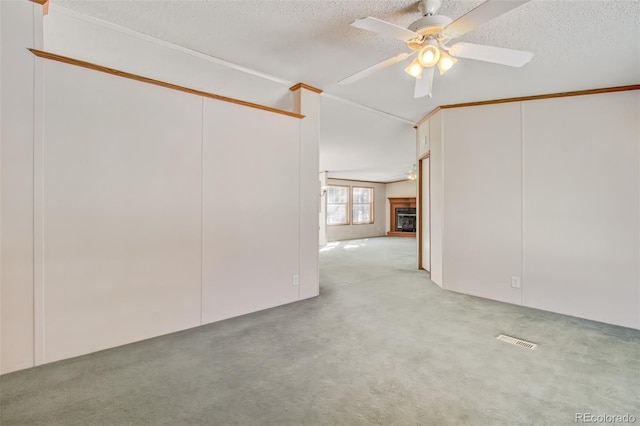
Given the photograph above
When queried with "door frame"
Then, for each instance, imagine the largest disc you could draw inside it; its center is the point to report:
(421, 214)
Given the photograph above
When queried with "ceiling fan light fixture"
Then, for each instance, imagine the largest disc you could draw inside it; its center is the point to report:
(429, 56)
(446, 62)
(412, 174)
(414, 69)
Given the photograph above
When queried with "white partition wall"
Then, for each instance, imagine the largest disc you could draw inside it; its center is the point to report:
(133, 210)
(19, 22)
(121, 211)
(306, 101)
(482, 207)
(547, 191)
(251, 210)
(436, 204)
(582, 214)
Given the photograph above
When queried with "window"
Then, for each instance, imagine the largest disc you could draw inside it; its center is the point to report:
(337, 205)
(362, 205)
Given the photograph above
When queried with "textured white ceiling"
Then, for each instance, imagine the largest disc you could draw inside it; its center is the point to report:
(577, 45)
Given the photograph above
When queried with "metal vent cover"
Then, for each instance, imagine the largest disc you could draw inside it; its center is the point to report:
(517, 342)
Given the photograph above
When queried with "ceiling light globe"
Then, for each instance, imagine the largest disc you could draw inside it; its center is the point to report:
(446, 63)
(429, 56)
(415, 70)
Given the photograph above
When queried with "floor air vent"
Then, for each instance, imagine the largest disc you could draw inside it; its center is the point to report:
(516, 342)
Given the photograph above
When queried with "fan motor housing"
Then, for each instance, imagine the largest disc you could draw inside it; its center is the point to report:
(430, 25)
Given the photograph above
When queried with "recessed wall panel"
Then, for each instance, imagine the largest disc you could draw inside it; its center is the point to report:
(122, 211)
(436, 202)
(482, 201)
(581, 206)
(17, 30)
(251, 210)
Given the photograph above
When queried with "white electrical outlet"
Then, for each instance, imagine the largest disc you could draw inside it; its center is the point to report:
(515, 282)
(296, 280)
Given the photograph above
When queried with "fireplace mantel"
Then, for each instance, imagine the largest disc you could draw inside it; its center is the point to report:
(399, 203)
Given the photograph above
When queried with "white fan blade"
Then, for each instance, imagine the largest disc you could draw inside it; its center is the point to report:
(424, 85)
(373, 68)
(483, 13)
(497, 55)
(386, 29)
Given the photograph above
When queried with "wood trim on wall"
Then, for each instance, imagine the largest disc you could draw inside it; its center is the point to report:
(532, 98)
(397, 181)
(100, 68)
(369, 181)
(421, 210)
(426, 117)
(419, 215)
(304, 86)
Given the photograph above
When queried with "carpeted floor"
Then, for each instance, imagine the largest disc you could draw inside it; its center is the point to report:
(382, 345)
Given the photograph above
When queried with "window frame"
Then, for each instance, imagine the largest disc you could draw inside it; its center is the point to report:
(348, 206)
(371, 205)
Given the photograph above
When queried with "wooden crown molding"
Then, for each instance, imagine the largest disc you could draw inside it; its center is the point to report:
(356, 180)
(532, 98)
(426, 117)
(304, 86)
(100, 68)
(369, 181)
(401, 180)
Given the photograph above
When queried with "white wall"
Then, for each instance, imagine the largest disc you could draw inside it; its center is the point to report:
(581, 206)
(322, 216)
(376, 229)
(482, 204)
(546, 189)
(422, 138)
(122, 211)
(19, 23)
(435, 129)
(251, 211)
(149, 205)
(407, 188)
(307, 102)
(83, 37)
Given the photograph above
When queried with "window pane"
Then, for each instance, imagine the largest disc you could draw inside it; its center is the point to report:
(362, 213)
(336, 214)
(361, 195)
(336, 194)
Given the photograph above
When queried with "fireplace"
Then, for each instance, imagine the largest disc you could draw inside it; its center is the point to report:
(403, 218)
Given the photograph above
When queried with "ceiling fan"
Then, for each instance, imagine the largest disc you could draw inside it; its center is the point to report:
(428, 37)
